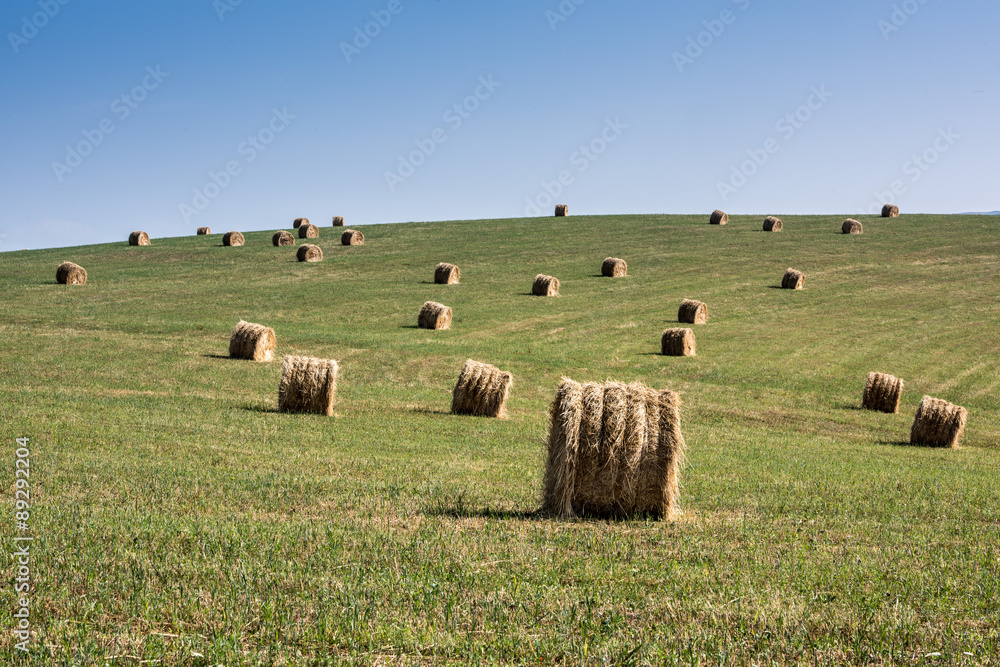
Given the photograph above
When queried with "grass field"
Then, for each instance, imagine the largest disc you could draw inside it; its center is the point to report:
(179, 519)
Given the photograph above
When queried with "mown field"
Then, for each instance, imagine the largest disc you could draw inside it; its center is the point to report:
(179, 519)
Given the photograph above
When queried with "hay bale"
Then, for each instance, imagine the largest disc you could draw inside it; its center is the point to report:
(692, 312)
(434, 315)
(772, 224)
(677, 343)
(252, 341)
(545, 285)
(890, 211)
(307, 385)
(562, 210)
(352, 237)
(938, 423)
(233, 239)
(882, 393)
(447, 274)
(204, 231)
(852, 226)
(614, 450)
(299, 222)
(308, 252)
(718, 218)
(338, 221)
(482, 390)
(614, 268)
(283, 238)
(138, 238)
(69, 273)
(793, 279)
(308, 231)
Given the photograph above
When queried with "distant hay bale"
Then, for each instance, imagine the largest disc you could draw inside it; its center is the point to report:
(482, 391)
(233, 239)
(677, 343)
(692, 312)
(772, 224)
(890, 211)
(882, 393)
(308, 252)
(283, 238)
(434, 315)
(793, 279)
(545, 285)
(938, 423)
(447, 274)
(299, 222)
(614, 450)
(562, 210)
(308, 231)
(138, 238)
(852, 226)
(719, 217)
(252, 341)
(203, 231)
(307, 385)
(352, 237)
(69, 273)
(338, 221)
(614, 268)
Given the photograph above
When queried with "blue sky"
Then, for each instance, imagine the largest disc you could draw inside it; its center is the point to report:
(244, 115)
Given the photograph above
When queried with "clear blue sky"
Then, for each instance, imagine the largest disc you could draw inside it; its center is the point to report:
(309, 127)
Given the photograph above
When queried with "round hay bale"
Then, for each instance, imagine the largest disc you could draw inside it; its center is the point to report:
(338, 221)
(545, 285)
(718, 218)
(938, 423)
(793, 279)
(677, 343)
(204, 231)
(562, 210)
(308, 252)
(69, 273)
(482, 391)
(308, 231)
(692, 312)
(252, 341)
(434, 316)
(772, 224)
(138, 238)
(283, 238)
(307, 385)
(614, 268)
(447, 274)
(299, 222)
(890, 211)
(352, 237)
(233, 239)
(882, 393)
(852, 226)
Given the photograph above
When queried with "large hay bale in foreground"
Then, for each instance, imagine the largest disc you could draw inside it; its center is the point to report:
(545, 285)
(252, 341)
(447, 274)
(233, 239)
(299, 222)
(138, 238)
(718, 217)
(614, 268)
(562, 210)
(204, 231)
(307, 385)
(307, 231)
(482, 390)
(938, 423)
(890, 211)
(677, 343)
(308, 252)
(352, 237)
(69, 273)
(692, 312)
(772, 224)
(614, 450)
(852, 226)
(793, 279)
(882, 393)
(283, 238)
(338, 221)
(434, 315)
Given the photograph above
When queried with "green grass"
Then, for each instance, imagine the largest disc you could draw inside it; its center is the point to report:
(178, 515)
